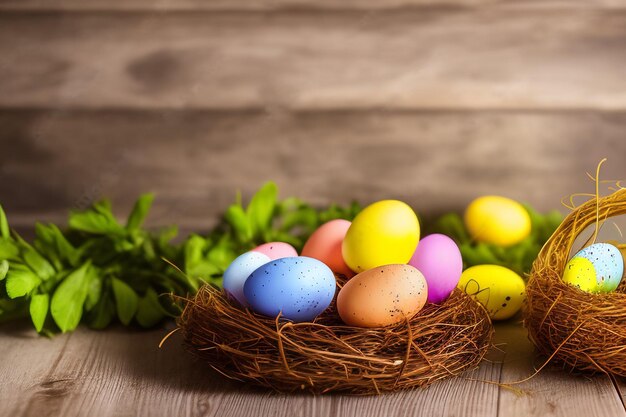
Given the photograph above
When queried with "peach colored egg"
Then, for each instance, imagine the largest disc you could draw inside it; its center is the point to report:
(382, 296)
(325, 245)
(276, 250)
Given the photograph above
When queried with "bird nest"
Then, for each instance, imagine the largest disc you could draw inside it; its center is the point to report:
(577, 329)
(325, 355)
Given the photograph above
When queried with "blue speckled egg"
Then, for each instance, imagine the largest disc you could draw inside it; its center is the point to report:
(299, 287)
(608, 264)
(238, 272)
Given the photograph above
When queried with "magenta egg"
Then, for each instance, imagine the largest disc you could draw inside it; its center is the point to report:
(439, 259)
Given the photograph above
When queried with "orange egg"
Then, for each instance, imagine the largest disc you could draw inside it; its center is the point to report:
(382, 296)
(325, 245)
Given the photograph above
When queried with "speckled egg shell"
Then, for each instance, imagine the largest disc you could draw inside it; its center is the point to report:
(580, 273)
(300, 288)
(276, 250)
(238, 272)
(499, 289)
(608, 264)
(382, 296)
(325, 245)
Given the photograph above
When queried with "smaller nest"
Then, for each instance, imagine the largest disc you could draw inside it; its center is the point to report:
(326, 355)
(576, 329)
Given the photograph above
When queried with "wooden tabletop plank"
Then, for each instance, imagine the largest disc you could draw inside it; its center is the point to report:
(221, 5)
(402, 59)
(122, 372)
(27, 369)
(552, 392)
(196, 161)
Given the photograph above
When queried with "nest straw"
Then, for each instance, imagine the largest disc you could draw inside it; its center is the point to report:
(327, 356)
(576, 329)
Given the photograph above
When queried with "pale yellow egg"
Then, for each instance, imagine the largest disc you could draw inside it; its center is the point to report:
(497, 220)
(499, 289)
(581, 273)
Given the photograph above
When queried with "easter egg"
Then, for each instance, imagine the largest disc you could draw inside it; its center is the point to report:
(607, 267)
(383, 233)
(300, 288)
(497, 288)
(276, 250)
(497, 220)
(325, 245)
(581, 273)
(382, 296)
(439, 259)
(238, 272)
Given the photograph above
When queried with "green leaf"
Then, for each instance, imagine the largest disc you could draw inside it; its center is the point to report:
(38, 263)
(94, 289)
(5, 232)
(238, 220)
(20, 281)
(51, 242)
(68, 299)
(139, 212)
(149, 310)
(8, 249)
(261, 208)
(102, 314)
(39, 304)
(97, 220)
(4, 268)
(126, 301)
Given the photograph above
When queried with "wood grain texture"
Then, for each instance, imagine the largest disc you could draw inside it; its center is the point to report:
(123, 373)
(194, 161)
(406, 59)
(552, 392)
(247, 5)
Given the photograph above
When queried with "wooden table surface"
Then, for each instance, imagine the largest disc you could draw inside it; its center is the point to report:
(430, 101)
(120, 372)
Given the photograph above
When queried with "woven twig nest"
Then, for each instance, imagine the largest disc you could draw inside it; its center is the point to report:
(328, 356)
(578, 330)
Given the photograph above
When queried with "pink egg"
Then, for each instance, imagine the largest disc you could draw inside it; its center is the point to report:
(276, 250)
(439, 259)
(325, 245)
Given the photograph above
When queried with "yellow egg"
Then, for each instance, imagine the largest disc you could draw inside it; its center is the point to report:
(382, 296)
(581, 273)
(499, 289)
(383, 233)
(498, 220)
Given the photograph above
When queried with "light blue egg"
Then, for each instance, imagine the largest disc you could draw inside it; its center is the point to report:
(238, 272)
(608, 264)
(300, 288)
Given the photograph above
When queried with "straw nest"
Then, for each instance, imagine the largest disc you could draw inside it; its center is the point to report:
(327, 356)
(576, 329)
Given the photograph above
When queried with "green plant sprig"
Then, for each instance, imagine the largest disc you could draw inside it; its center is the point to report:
(98, 270)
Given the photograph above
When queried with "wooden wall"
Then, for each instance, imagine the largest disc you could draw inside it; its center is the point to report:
(426, 101)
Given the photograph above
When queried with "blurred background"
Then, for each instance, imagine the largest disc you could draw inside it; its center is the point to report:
(432, 102)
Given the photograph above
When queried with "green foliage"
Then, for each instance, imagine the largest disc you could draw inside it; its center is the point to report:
(98, 270)
(518, 257)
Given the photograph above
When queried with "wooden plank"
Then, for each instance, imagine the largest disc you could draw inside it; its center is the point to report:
(397, 59)
(121, 372)
(553, 392)
(27, 367)
(222, 5)
(195, 161)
